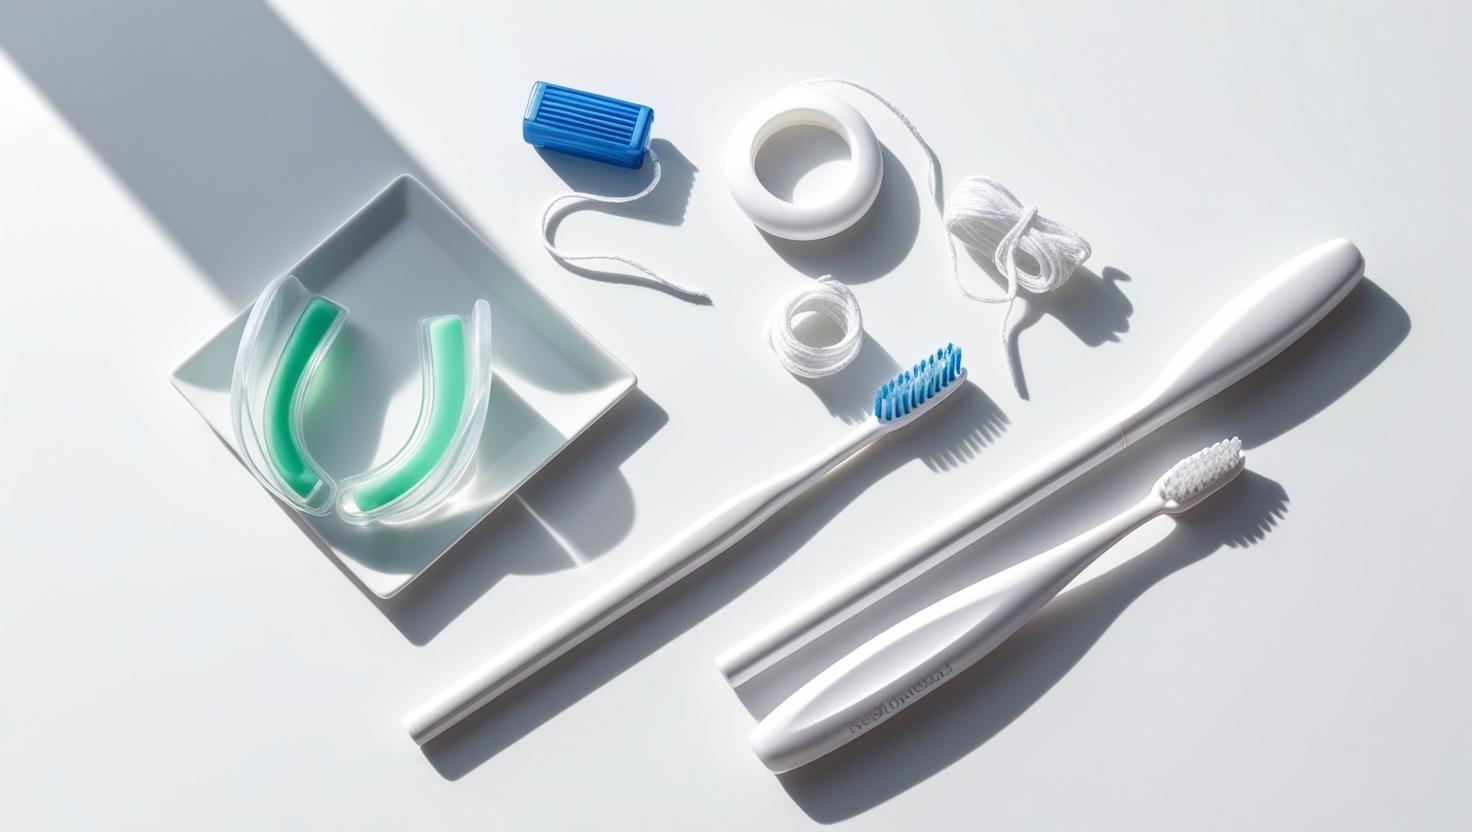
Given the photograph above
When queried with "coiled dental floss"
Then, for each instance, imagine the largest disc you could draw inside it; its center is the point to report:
(549, 212)
(987, 217)
(833, 300)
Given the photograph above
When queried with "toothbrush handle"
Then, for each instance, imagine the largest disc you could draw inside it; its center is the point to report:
(1266, 317)
(909, 660)
(955, 532)
(699, 543)
(1249, 330)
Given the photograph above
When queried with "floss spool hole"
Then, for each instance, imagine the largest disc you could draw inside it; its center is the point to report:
(832, 300)
(804, 107)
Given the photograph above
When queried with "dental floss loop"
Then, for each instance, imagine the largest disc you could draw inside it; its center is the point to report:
(989, 218)
(568, 257)
(985, 216)
(833, 300)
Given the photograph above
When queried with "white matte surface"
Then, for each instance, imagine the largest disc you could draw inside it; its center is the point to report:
(177, 655)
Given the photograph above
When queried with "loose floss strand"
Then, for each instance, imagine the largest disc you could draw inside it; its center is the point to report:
(933, 172)
(833, 300)
(549, 212)
(987, 217)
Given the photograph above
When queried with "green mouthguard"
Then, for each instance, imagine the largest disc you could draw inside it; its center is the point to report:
(306, 338)
(436, 428)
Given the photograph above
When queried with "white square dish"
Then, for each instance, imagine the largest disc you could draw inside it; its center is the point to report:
(404, 256)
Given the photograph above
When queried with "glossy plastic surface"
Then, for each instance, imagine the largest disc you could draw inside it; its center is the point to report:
(1267, 316)
(903, 664)
(587, 124)
(286, 335)
(403, 257)
(703, 540)
(798, 107)
(455, 369)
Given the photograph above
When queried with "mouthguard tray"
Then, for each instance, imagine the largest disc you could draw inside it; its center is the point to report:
(403, 257)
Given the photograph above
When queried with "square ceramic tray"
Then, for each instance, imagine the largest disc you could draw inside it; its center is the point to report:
(405, 256)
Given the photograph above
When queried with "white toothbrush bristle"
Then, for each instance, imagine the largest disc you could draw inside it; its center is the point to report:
(1202, 471)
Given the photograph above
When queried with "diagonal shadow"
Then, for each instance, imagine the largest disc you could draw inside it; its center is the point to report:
(223, 124)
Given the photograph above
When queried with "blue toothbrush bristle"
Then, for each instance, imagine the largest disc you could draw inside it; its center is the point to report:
(917, 385)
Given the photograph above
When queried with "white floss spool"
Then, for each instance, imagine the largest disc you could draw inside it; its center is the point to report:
(833, 300)
(801, 106)
(981, 212)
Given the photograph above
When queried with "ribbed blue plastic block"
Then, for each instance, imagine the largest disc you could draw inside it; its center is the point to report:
(587, 124)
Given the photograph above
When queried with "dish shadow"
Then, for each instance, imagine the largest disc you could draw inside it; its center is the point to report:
(542, 528)
(666, 204)
(224, 125)
(872, 247)
(958, 432)
(960, 717)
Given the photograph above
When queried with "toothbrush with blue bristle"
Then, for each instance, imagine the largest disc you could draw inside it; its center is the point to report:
(899, 402)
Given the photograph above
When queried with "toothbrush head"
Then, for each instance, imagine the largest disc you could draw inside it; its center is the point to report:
(1200, 475)
(919, 388)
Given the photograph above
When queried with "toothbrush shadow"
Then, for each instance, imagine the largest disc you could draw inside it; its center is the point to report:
(665, 205)
(962, 716)
(954, 433)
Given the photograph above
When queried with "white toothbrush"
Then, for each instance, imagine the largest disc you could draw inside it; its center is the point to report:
(897, 403)
(899, 666)
(1255, 326)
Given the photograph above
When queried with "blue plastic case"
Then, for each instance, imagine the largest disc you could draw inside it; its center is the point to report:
(587, 124)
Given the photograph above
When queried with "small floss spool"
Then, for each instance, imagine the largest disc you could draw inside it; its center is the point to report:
(833, 300)
(981, 212)
(802, 106)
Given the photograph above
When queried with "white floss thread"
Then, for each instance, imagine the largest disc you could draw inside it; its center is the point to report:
(833, 300)
(987, 217)
(984, 215)
(567, 257)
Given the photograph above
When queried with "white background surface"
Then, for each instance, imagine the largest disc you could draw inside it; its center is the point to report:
(177, 655)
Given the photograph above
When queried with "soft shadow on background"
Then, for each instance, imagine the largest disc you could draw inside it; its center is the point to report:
(247, 150)
(957, 432)
(982, 700)
(224, 125)
(1337, 354)
(872, 247)
(545, 527)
